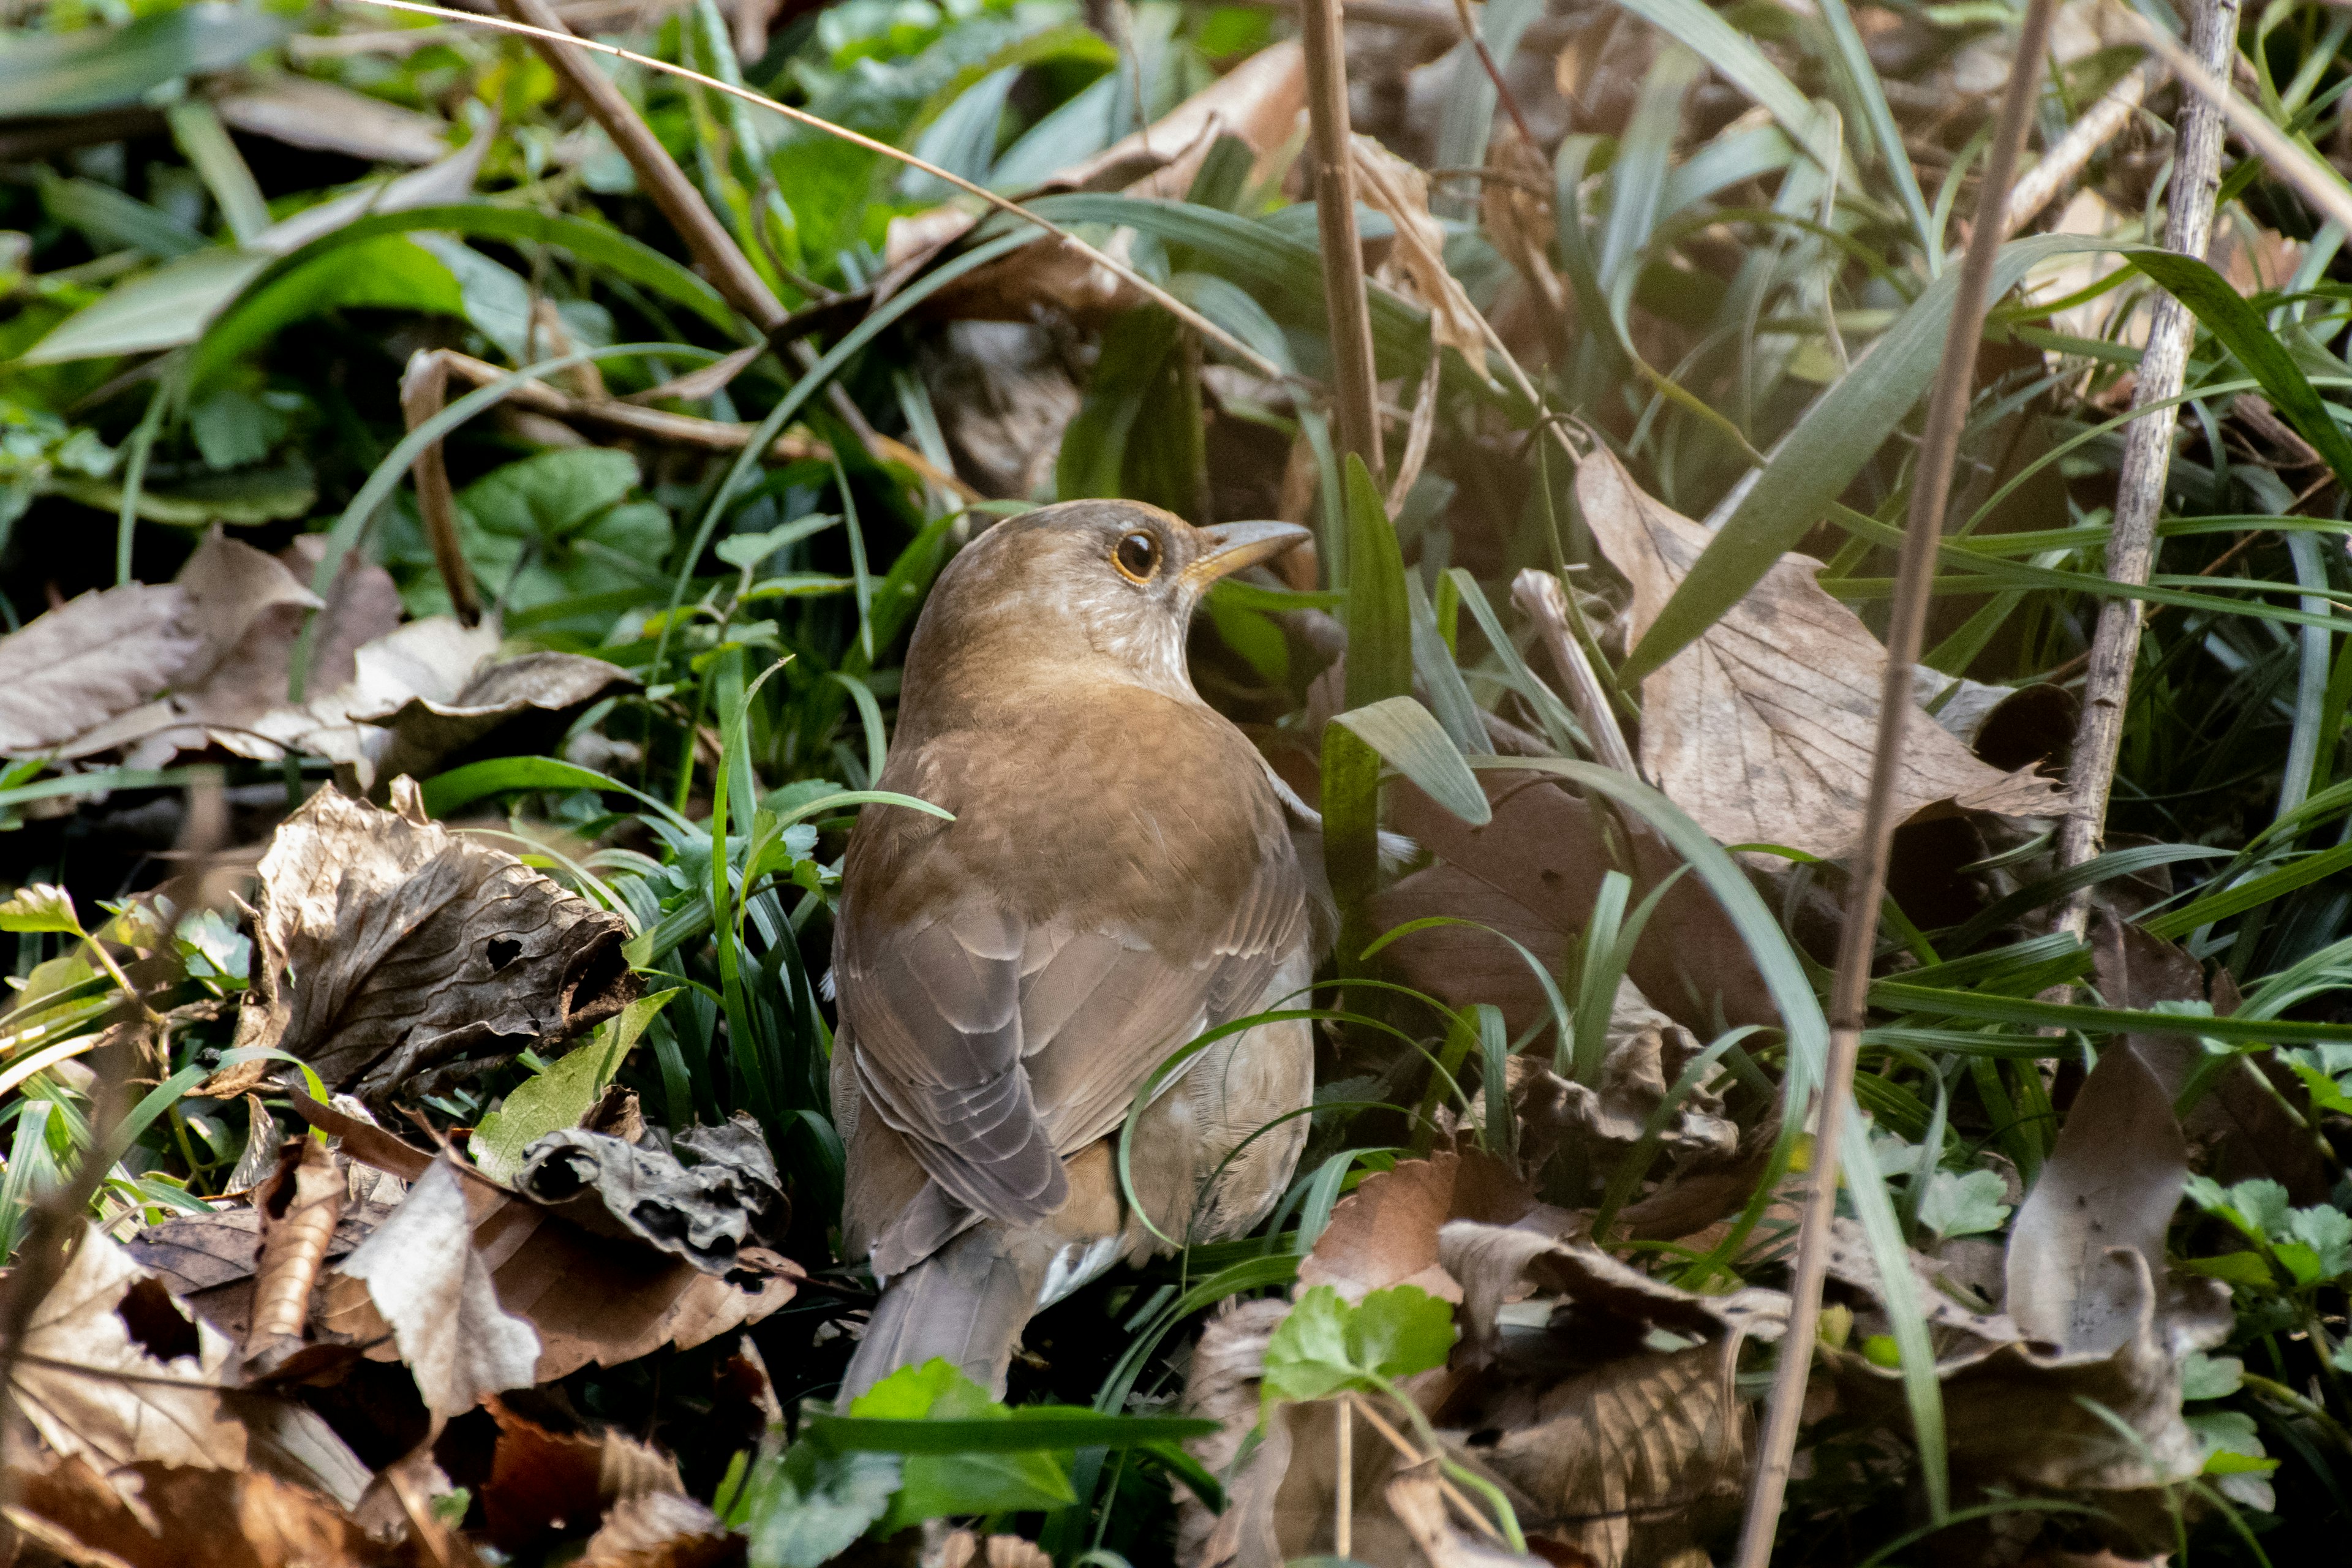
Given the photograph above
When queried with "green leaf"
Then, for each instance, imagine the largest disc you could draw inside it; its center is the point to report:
(2327, 1232)
(97, 67)
(1378, 617)
(811, 1506)
(1325, 1345)
(1409, 740)
(970, 1481)
(559, 1094)
(2206, 1376)
(40, 906)
(1822, 453)
(1963, 1203)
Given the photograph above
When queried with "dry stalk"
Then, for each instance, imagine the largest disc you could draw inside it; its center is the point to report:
(1414, 1456)
(2148, 459)
(1343, 1491)
(1947, 407)
(423, 390)
(1358, 389)
(1150, 290)
(2064, 163)
(1542, 599)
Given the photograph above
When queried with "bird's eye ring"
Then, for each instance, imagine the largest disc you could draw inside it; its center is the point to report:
(1137, 556)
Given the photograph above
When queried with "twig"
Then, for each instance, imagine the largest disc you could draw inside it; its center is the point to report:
(1344, 300)
(1343, 1491)
(1503, 94)
(2148, 459)
(2065, 161)
(1150, 290)
(2314, 179)
(1947, 407)
(1542, 599)
(423, 390)
(1413, 1456)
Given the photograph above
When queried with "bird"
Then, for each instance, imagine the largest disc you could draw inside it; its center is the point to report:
(1116, 878)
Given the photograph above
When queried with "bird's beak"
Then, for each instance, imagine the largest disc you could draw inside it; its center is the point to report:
(1233, 546)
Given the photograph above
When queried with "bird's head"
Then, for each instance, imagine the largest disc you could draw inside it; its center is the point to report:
(1088, 589)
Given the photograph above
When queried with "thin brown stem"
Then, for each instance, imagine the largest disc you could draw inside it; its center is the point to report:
(1947, 407)
(1349, 309)
(1502, 93)
(2147, 459)
(1142, 285)
(423, 390)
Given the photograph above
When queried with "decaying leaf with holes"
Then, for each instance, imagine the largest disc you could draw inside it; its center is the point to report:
(393, 953)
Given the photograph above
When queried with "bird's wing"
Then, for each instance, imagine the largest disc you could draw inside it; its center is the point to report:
(997, 1048)
(939, 1036)
(1107, 1009)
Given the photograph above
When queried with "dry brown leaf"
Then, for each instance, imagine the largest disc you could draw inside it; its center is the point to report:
(528, 702)
(300, 1207)
(546, 1483)
(435, 1293)
(2090, 1319)
(1399, 193)
(1416, 1497)
(661, 1529)
(433, 659)
(112, 1370)
(706, 1213)
(89, 659)
(304, 112)
(1533, 874)
(187, 1517)
(389, 948)
(962, 1549)
(1385, 1232)
(1762, 728)
(589, 1298)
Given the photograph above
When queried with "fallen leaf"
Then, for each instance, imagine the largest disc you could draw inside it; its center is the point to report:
(528, 702)
(1762, 728)
(589, 1298)
(432, 1289)
(89, 659)
(1533, 874)
(304, 112)
(388, 947)
(1399, 192)
(661, 1529)
(546, 1483)
(1417, 1497)
(112, 1370)
(299, 1205)
(1385, 1232)
(706, 1213)
(433, 657)
(568, 1092)
(189, 1517)
(2091, 1320)
(962, 1549)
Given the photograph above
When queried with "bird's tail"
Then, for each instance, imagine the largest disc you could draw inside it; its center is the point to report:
(968, 1301)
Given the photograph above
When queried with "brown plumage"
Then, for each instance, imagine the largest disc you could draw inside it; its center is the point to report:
(1117, 878)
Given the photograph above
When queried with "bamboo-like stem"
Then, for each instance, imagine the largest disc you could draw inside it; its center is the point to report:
(1343, 1491)
(2148, 462)
(1947, 407)
(1150, 290)
(1357, 383)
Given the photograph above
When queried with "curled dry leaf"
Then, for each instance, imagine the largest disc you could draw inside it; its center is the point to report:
(89, 659)
(433, 657)
(1416, 1497)
(1533, 874)
(546, 1483)
(299, 1207)
(706, 1213)
(189, 1517)
(589, 1298)
(1762, 728)
(389, 948)
(528, 702)
(1399, 193)
(661, 1529)
(2090, 1317)
(962, 1549)
(433, 1291)
(1385, 1232)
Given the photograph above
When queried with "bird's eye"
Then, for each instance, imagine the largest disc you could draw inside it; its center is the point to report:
(1138, 556)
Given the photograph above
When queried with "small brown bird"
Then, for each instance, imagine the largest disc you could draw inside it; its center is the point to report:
(1119, 878)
